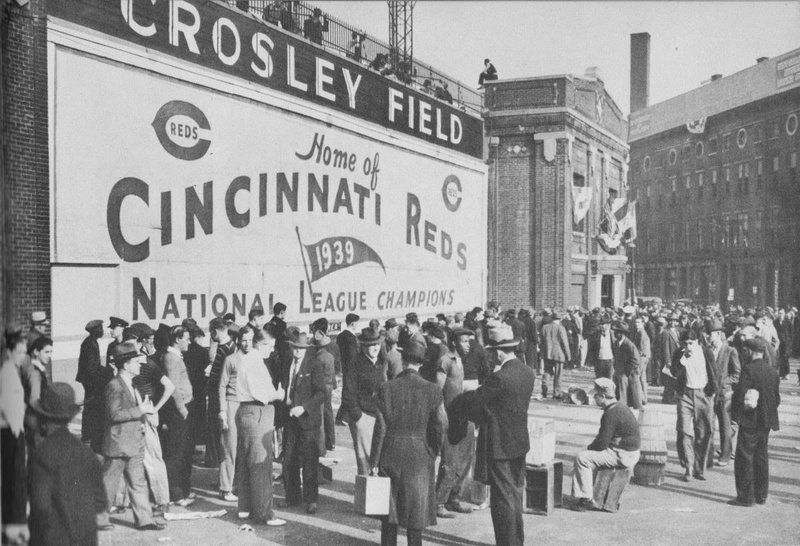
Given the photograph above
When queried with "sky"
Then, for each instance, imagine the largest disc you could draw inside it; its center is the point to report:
(689, 42)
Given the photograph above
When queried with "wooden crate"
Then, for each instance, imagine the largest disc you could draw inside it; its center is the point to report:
(609, 483)
(543, 487)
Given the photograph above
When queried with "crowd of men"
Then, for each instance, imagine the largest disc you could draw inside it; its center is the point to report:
(262, 391)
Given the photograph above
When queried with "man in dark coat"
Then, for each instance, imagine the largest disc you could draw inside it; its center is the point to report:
(667, 344)
(323, 343)
(502, 404)
(532, 335)
(304, 399)
(756, 414)
(314, 26)
(411, 412)
(116, 325)
(695, 386)
(626, 367)
(94, 375)
(599, 354)
(66, 483)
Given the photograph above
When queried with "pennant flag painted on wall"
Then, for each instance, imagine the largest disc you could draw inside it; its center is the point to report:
(333, 254)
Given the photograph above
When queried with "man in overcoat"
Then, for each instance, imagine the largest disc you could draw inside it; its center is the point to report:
(756, 414)
(726, 361)
(66, 484)
(501, 404)
(555, 351)
(412, 414)
(94, 375)
(626, 367)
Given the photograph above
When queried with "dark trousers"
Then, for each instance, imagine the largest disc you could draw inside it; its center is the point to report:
(13, 476)
(751, 466)
(507, 479)
(136, 482)
(722, 409)
(300, 451)
(254, 424)
(213, 444)
(603, 368)
(454, 467)
(178, 453)
(330, 426)
(389, 535)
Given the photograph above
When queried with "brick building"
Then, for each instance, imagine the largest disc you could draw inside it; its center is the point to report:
(715, 171)
(548, 138)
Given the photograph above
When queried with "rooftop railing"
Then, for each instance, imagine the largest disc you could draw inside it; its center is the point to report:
(348, 41)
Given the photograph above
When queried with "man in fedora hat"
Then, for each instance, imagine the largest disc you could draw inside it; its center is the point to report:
(94, 375)
(726, 361)
(39, 324)
(66, 484)
(315, 25)
(617, 444)
(328, 355)
(123, 442)
(411, 412)
(304, 398)
(360, 395)
(667, 345)
(502, 404)
(626, 367)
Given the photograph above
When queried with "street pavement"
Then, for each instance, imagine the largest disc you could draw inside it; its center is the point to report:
(674, 513)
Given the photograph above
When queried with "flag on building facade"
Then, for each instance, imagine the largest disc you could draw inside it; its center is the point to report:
(581, 200)
(697, 126)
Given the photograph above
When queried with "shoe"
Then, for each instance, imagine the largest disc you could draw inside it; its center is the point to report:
(458, 506)
(105, 527)
(686, 477)
(761, 501)
(723, 463)
(442, 513)
(582, 505)
(155, 526)
(243, 515)
(699, 477)
(160, 510)
(286, 504)
(311, 508)
(117, 509)
(227, 496)
(276, 522)
(737, 502)
(184, 502)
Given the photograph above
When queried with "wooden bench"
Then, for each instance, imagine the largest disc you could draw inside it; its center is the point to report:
(609, 483)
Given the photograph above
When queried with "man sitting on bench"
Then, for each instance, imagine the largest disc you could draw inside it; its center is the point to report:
(616, 445)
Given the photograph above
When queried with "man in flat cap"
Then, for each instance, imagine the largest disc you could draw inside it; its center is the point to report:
(328, 355)
(755, 408)
(695, 386)
(39, 324)
(117, 326)
(94, 375)
(726, 361)
(617, 444)
(66, 482)
(123, 441)
(391, 337)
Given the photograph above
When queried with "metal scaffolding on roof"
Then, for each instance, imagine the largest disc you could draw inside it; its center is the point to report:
(401, 32)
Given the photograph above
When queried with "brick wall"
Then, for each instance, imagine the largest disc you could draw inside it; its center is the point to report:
(26, 185)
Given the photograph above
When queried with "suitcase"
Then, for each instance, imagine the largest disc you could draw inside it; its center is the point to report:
(372, 495)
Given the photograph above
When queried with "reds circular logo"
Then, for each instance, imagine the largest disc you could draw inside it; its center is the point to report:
(180, 127)
(451, 192)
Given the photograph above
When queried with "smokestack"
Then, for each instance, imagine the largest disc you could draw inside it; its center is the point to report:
(715, 77)
(761, 60)
(640, 71)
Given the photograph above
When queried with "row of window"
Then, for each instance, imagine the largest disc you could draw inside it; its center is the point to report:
(738, 230)
(647, 189)
(742, 136)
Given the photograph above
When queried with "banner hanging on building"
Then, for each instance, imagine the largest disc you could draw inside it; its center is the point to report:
(172, 200)
(581, 201)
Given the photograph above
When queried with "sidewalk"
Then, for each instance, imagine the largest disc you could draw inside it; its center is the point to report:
(676, 512)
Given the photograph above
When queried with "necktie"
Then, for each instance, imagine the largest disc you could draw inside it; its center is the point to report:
(292, 380)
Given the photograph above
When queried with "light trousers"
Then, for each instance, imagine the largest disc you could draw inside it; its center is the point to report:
(588, 461)
(228, 439)
(361, 431)
(154, 467)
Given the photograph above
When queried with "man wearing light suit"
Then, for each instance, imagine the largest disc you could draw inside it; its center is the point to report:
(123, 441)
(726, 361)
